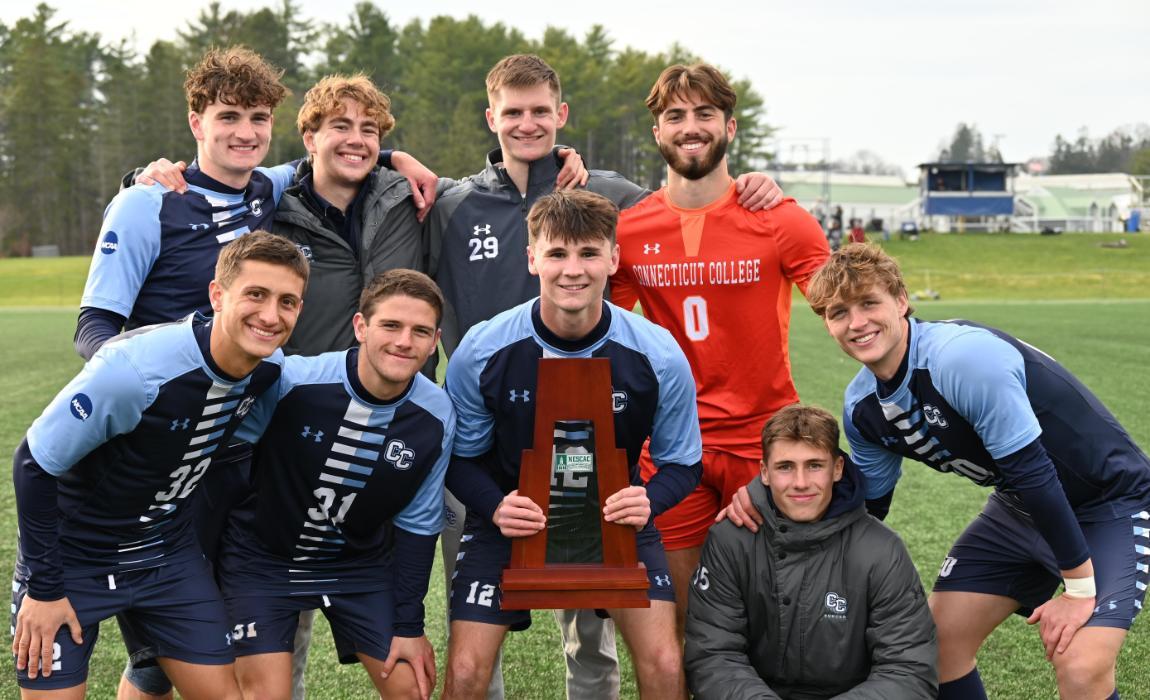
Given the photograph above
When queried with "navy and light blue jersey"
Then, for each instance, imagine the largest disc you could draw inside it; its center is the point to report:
(129, 439)
(492, 381)
(971, 396)
(335, 469)
(157, 248)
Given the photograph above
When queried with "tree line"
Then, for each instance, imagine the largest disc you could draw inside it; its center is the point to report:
(1124, 150)
(76, 111)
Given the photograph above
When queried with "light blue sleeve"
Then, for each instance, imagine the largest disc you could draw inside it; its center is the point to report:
(675, 438)
(128, 246)
(282, 177)
(881, 468)
(984, 378)
(104, 400)
(424, 515)
(475, 424)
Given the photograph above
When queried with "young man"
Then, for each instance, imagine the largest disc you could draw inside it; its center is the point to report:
(157, 249)
(478, 232)
(719, 278)
(823, 601)
(104, 476)
(1071, 501)
(572, 252)
(347, 500)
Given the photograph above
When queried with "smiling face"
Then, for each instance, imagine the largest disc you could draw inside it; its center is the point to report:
(693, 136)
(396, 338)
(801, 477)
(572, 278)
(345, 147)
(254, 314)
(526, 121)
(871, 327)
(231, 140)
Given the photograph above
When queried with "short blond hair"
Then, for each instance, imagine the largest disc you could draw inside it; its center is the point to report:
(522, 70)
(699, 79)
(325, 99)
(850, 272)
(235, 76)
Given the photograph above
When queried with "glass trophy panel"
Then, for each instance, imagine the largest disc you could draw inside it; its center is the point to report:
(574, 530)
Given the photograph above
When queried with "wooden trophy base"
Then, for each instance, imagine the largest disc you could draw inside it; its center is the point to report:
(561, 586)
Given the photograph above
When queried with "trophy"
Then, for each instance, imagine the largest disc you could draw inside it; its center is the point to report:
(579, 560)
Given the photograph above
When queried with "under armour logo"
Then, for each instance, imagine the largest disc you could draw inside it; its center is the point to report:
(525, 395)
(663, 580)
(649, 248)
(481, 230)
(255, 205)
(889, 440)
(178, 424)
(933, 415)
(199, 227)
(1110, 605)
(318, 435)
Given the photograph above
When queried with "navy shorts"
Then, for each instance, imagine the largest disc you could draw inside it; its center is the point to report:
(483, 554)
(361, 623)
(174, 611)
(1002, 553)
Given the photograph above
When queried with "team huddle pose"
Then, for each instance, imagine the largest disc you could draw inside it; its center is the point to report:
(211, 493)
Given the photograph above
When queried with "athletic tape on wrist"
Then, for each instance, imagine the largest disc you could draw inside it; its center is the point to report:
(1080, 587)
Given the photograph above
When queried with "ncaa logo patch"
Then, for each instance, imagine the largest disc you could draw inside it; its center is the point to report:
(110, 243)
(81, 406)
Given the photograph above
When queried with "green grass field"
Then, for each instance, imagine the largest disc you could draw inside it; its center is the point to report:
(1087, 306)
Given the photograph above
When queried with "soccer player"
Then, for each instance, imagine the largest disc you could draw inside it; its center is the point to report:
(157, 249)
(572, 251)
(719, 278)
(104, 477)
(1071, 500)
(823, 601)
(347, 501)
(478, 234)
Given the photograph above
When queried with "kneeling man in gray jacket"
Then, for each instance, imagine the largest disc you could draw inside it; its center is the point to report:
(820, 600)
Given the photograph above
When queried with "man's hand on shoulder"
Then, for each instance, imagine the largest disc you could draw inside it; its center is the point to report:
(518, 516)
(741, 512)
(166, 173)
(422, 180)
(758, 191)
(574, 173)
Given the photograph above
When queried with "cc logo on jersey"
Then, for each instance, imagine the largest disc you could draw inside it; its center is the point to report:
(933, 415)
(399, 455)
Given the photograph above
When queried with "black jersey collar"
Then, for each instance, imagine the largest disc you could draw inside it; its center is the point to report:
(547, 336)
(194, 176)
(361, 391)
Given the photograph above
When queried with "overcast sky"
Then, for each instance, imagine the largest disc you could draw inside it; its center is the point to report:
(890, 76)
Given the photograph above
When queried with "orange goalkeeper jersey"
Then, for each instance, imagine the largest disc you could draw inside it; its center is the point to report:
(719, 278)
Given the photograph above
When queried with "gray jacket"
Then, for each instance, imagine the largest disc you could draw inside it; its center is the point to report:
(477, 235)
(391, 238)
(799, 611)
